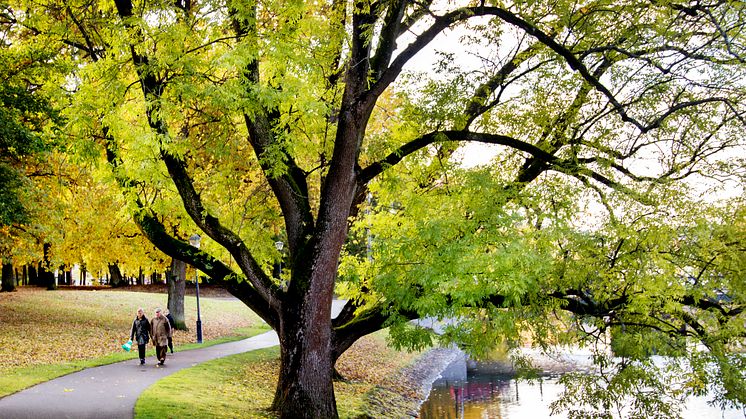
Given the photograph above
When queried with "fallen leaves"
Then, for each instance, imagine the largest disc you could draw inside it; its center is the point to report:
(371, 361)
(39, 327)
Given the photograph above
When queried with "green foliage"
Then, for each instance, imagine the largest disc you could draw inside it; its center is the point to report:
(606, 119)
(641, 343)
(634, 390)
(12, 210)
(25, 118)
(22, 119)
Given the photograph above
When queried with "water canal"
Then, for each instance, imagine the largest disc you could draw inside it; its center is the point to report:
(478, 392)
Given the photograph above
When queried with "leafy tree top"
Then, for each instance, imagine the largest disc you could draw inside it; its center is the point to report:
(259, 121)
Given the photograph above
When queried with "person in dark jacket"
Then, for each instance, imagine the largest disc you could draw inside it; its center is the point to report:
(171, 323)
(140, 333)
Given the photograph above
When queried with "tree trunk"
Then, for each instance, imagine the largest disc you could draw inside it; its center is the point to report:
(8, 279)
(155, 278)
(64, 276)
(140, 277)
(176, 279)
(305, 386)
(33, 275)
(45, 275)
(116, 275)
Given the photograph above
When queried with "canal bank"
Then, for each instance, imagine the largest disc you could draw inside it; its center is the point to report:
(404, 393)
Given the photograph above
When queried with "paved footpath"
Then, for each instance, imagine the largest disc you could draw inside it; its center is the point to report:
(110, 391)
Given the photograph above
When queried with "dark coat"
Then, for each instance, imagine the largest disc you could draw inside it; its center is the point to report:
(140, 330)
(171, 323)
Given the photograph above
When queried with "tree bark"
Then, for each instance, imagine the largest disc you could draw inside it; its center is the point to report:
(176, 280)
(116, 276)
(305, 387)
(155, 278)
(33, 275)
(46, 276)
(65, 276)
(8, 279)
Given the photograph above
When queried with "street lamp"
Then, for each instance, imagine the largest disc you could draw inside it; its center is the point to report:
(194, 241)
(279, 245)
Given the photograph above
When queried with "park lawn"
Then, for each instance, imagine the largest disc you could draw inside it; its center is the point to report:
(47, 334)
(243, 385)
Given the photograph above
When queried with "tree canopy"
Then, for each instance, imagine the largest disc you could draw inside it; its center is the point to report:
(26, 120)
(52, 195)
(308, 123)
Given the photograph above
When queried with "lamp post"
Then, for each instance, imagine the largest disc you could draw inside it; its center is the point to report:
(194, 241)
(279, 245)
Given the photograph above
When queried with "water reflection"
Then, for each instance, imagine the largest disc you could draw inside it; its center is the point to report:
(483, 394)
(490, 396)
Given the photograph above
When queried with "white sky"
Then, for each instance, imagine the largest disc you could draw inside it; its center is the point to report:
(476, 154)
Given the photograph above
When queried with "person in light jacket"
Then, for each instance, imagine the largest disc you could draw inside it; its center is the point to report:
(140, 333)
(160, 331)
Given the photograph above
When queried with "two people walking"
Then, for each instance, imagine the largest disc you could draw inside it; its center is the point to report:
(158, 330)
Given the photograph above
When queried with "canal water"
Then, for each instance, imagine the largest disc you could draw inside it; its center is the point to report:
(478, 392)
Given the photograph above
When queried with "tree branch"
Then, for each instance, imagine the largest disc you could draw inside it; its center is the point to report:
(152, 89)
(90, 48)
(376, 168)
(387, 41)
(290, 187)
(349, 328)
(477, 103)
(155, 231)
(234, 283)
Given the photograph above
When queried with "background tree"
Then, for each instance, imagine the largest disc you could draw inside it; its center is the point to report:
(255, 115)
(27, 121)
(176, 290)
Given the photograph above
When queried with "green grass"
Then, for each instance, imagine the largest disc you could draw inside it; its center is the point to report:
(17, 379)
(240, 385)
(235, 386)
(48, 334)
(42, 332)
(243, 385)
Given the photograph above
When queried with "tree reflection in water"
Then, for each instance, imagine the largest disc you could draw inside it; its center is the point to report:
(481, 395)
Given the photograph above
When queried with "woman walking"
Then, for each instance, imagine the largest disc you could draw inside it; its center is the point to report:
(160, 329)
(141, 333)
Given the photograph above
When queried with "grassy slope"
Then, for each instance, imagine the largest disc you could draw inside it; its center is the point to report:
(47, 334)
(243, 385)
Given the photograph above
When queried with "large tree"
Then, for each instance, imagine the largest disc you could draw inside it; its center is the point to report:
(257, 122)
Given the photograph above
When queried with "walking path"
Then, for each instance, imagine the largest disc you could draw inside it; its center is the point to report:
(110, 391)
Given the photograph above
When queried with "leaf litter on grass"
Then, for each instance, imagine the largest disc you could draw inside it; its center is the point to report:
(40, 327)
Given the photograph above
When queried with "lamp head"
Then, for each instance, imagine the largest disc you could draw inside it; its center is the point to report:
(194, 240)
